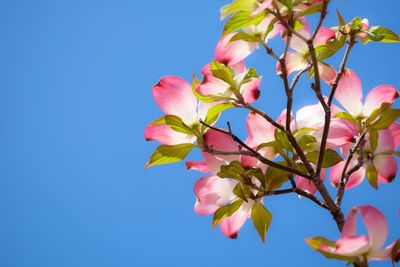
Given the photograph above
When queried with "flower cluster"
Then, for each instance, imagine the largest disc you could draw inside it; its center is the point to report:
(347, 142)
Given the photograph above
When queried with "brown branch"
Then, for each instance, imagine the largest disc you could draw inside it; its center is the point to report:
(250, 152)
(323, 13)
(346, 174)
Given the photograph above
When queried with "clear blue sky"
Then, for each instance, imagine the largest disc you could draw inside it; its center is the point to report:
(75, 96)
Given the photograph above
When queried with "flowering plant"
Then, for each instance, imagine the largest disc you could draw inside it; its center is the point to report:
(295, 152)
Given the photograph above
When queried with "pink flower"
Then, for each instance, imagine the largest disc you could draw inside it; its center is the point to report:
(212, 85)
(354, 247)
(300, 57)
(349, 95)
(174, 96)
(231, 53)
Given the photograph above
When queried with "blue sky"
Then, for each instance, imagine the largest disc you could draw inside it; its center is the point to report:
(75, 96)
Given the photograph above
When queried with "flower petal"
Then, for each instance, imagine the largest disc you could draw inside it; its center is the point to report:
(323, 36)
(200, 166)
(230, 53)
(210, 84)
(230, 226)
(349, 92)
(350, 226)
(295, 61)
(212, 192)
(166, 135)
(296, 43)
(341, 132)
(174, 96)
(386, 167)
(352, 245)
(355, 179)
(259, 130)
(222, 142)
(250, 90)
(376, 225)
(395, 130)
(377, 96)
(327, 73)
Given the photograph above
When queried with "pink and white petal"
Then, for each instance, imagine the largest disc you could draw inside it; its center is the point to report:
(376, 225)
(230, 226)
(355, 179)
(230, 53)
(352, 245)
(311, 116)
(166, 135)
(307, 185)
(282, 120)
(395, 130)
(350, 226)
(327, 73)
(259, 130)
(349, 92)
(341, 132)
(174, 96)
(211, 85)
(203, 107)
(212, 192)
(386, 141)
(296, 43)
(221, 142)
(382, 254)
(323, 36)
(386, 167)
(376, 97)
(295, 61)
(200, 166)
(250, 90)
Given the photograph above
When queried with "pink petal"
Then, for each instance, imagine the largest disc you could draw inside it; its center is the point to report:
(212, 192)
(298, 44)
(382, 254)
(385, 141)
(230, 226)
(386, 167)
(295, 61)
(311, 116)
(395, 130)
(211, 85)
(352, 246)
(259, 130)
(307, 185)
(376, 225)
(327, 73)
(222, 142)
(355, 179)
(230, 53)
(166, 135)
(250, 90)
(200, 166)
(349, 92)
(174, 96)
(350, 226)
(323, 36)
(377, 96)
(341, 132)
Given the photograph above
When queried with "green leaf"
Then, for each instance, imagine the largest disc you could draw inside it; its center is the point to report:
(275, 178)
(341, 20)
(303, 131)
(382, 34)
(311, 10)
(251, 73)
(373, 139)
(356, 24)
(242, 19)
(245, 37)
(234, 171)
(283, 140)
(222, 72)
(377, 113)
(346, 116)
(317, 242)
(168, 154)
(261, 219)
(372, 176)
(175, 122)
(236, 6)
(330, 48)
(331, 157)
(239, 191)
(214, 112)
(386, 119)
(226, 211)
(306, 141)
